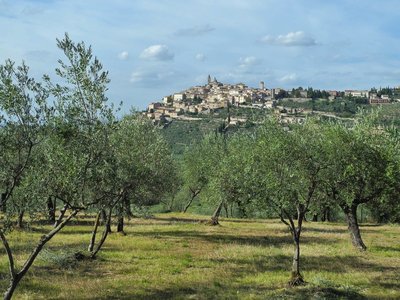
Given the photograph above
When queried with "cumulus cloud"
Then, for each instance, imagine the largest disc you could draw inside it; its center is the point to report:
(157, 52)
(124, 55)
(200, 57)
(298, 38)
(249, 61)
(151, 78)
(289, 78)
(195, 30)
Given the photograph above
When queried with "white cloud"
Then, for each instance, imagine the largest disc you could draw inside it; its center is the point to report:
(200, 57)
(157, 52)
(289, 78)
(150, 78)
(298, 38)
(249, 61)
(124, 55)
(195, 30)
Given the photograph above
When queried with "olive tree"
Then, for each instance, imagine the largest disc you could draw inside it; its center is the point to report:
(234, 181)
(76, 134)
(141, 171)
(288, 164)
(387, 209)
(23, 111)
(197, 163)
(357, 170)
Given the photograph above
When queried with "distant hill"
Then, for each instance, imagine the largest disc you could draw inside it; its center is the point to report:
(182, 133)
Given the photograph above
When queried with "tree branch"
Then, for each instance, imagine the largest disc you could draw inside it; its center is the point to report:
(9, 254)
(44, 239)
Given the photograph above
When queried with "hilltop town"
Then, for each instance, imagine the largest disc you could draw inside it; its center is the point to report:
(215, 95)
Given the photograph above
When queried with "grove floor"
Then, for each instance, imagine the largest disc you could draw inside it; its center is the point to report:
(177, 256)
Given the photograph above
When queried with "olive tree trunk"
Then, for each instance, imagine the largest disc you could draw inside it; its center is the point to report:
(16, 276)
(193, 195)
(20, 221)
(94, 232)
(215, 217)
(61, 216)
(354, 229)
(3, 202)
(107, 225)
(296, 276)
(120, 224)
(106, 220)
(51, 210)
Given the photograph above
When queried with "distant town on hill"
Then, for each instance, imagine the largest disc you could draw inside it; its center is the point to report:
(291, 105)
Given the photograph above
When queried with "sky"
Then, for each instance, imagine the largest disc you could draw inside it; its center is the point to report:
(154, 48)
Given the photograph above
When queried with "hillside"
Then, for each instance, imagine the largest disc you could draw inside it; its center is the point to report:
(182, 133)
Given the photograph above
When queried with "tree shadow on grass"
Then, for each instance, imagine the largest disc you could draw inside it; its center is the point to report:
(325, 230)
(158, 294)
(224, 291)
(228, 220)
(386, 248)
(272, 263)
(64, 231)
(370, 225)
(255, 240)
(389, 281)
(334, 230)
(244, 267)
(313, 292)
(25, 250)
(77, 222)
(174, 220)
(205, 219)
(45, 289)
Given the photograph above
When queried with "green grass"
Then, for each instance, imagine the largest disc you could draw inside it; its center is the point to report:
(174, 256)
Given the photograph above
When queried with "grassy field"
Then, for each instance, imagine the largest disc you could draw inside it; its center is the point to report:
(175, 256)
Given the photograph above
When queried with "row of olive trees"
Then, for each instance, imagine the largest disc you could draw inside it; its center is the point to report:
(301, 171)
(61, 146)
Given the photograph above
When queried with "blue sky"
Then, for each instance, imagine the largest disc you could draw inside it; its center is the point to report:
(153, 48)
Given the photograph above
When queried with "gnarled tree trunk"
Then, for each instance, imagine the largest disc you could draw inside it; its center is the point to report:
(51, 210)
(61, 216)
(106, 220)
(194, 194)
(120, 224)
(215, 217)
(188, 204)
(105, 234)
(296, 278)
(354, 229)
(3, 202)
(226, 210)
(20, 221)
(94, 232)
